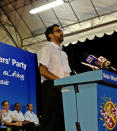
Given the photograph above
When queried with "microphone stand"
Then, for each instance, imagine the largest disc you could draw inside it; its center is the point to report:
(76, 89)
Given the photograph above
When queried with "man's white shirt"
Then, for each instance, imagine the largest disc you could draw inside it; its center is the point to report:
(56, 60)
(8, 116)
(32, 117)
(18, 115)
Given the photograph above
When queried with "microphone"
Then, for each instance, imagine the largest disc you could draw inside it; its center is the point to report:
(106, 64)
(91, 66)
(100, 62)
(91, 59)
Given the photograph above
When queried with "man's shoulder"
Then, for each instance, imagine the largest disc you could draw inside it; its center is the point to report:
(45, 50)
(27, 112)
(15, 111)
(46, 46)
(33, 113)
(9, 111)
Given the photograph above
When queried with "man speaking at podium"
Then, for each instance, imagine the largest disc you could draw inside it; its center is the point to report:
(53, 64)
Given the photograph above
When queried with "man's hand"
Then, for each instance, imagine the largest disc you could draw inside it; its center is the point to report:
(18, 124)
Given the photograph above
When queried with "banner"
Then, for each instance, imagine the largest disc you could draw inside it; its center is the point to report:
(17, 76)
(107, 103)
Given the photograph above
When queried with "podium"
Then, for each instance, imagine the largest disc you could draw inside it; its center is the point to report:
(97, 92)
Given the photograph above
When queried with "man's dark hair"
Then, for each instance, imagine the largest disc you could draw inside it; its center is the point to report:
(29, 104)
(3, 103)
(49, 30)
(16, 104)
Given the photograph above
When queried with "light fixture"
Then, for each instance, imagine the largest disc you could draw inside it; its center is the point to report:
(47, 6)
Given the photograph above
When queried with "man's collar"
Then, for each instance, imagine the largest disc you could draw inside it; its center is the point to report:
(17, 111)
(56, 46)
(30, 111)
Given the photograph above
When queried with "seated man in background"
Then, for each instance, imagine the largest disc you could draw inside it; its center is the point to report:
(31, 116)
(17, 113)
(8, 118)
(27, 125)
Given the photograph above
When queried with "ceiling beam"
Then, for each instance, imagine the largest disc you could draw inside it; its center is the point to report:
(7, 32)
(12, 26)
(22, 18)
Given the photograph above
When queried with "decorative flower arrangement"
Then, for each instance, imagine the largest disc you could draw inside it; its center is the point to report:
(109, 114)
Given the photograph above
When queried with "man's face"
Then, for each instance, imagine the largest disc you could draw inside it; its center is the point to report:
(57, 34)
(30, 107)
(6, 106)
(17, 107)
